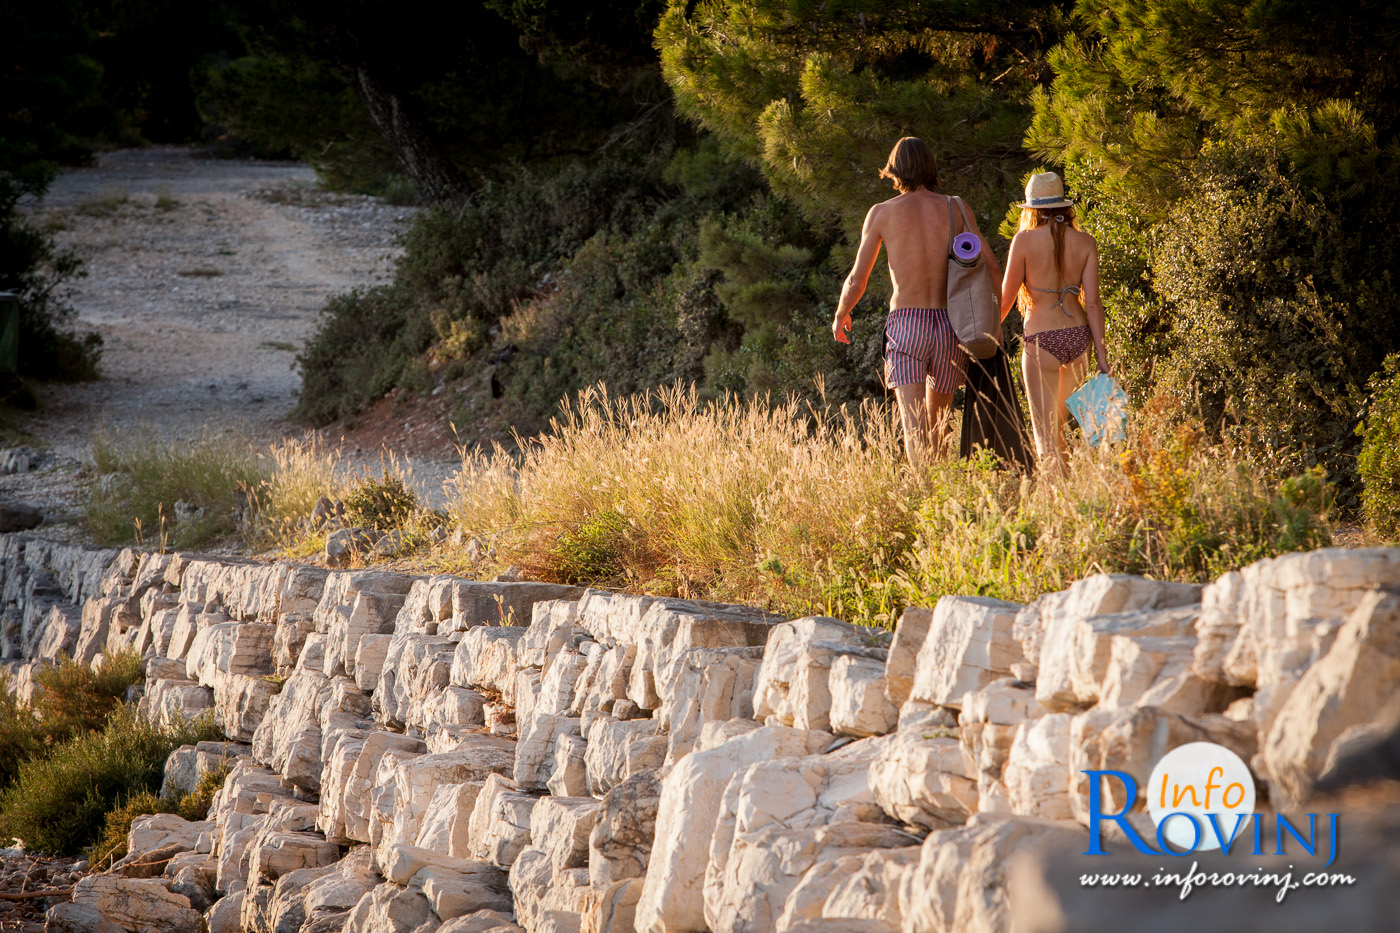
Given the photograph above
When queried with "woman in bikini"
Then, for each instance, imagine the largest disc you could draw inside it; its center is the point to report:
(1053, 272)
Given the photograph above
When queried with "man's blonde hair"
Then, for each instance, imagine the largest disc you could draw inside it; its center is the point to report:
(911, 165)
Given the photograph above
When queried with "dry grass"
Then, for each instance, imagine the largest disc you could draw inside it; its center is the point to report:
(808, 511)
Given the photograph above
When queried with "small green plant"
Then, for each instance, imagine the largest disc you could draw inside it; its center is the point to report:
(58, 803)
(165, 200)
(384, 503)
(193, 806)
(1379, 463)
(187, 492)
(111, 200)
(73, 698)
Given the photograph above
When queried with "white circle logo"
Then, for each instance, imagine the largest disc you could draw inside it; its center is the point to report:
(1208, 781)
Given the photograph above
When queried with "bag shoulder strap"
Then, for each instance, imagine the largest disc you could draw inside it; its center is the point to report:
(952, 227)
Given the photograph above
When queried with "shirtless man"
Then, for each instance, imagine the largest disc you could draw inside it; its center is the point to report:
(924, 363)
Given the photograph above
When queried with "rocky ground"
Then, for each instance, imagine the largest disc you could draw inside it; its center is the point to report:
(23, 879)
(204, 278)
(428, 753)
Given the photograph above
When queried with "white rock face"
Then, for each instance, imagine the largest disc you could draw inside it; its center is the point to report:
(500, 822)
(960, 882)
(569, 775)
(969, 645)
(446, 825)
(416, 781)
(138, 903)
(793, 686)
(764, 876)
(1134, 740)
(389, 908)
(416, 669)
(536, 753)
(859, 704)
(909, 635)
(159, 830)
(1346, 689)
(704, 685)
(617, 750)
(923, 779)
(673, 896)
(1075, 678)
(560, 827)
(1037, 774)
(1045, 626)
(861, 888)
(485, 658)
(619, 845)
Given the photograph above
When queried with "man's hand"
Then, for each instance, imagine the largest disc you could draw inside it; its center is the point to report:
(841, 327)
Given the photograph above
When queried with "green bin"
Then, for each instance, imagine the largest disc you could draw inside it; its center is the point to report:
(9, 332)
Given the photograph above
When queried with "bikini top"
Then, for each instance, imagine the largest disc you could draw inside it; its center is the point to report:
(1060, 302)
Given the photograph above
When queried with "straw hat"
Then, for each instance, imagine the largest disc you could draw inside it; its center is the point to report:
(1045, 189)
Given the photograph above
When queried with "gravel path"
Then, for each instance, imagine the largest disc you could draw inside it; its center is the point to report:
(204, 278)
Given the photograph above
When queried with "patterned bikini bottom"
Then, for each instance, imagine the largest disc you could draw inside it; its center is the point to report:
(1066, 344)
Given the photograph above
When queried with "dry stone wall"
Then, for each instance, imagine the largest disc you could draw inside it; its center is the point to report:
(426, 753)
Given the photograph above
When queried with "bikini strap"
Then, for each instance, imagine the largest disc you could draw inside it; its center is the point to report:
(1060, 302)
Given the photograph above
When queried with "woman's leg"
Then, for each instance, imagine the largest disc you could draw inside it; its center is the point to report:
(913, 415)
(1041, 371)
(1071, 378)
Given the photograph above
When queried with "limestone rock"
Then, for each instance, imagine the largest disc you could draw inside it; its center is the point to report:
(619, 845)
(560, 827)
(1044, 626)
(485, 659)
(673, 896)
(70, 917)
(535, 753)
(415, 781)
(138, 904)
(859, 704)
(446, 825)
(616, 750)
(1074, 676)
(704, 685)
(793, 685)
(569, 775)
(969, 645)
(763, 871)
(188, 763)
(500, 822)
(1348, 687)
(864, 887)
(1134, 740)
(922, 778)
(910, 632)
(389, 908)
(1037, 773)
(961, 880)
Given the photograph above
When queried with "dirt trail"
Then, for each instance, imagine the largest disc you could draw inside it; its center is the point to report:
(204, 278)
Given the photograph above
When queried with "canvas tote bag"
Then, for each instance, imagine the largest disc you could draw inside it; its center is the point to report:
(974, 307)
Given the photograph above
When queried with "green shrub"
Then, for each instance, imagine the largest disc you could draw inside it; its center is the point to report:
(1379, 463)
(58, 803)
(74, 698)
(384, 503)
(194, 806)
(145, 475)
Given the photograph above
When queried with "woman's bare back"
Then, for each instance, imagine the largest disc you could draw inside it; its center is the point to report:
(1036, 248)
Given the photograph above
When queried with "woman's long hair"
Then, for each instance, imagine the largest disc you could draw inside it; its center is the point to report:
(1058, 218)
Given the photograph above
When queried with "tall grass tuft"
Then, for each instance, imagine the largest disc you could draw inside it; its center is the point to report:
(295, 475)
(809, 510)
(185, 493)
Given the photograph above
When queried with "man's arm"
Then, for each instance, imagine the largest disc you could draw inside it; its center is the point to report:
(855, 283)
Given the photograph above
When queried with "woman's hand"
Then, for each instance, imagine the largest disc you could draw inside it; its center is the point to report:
(841, 326)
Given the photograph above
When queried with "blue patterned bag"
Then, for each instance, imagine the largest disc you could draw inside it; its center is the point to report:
(1101, 408)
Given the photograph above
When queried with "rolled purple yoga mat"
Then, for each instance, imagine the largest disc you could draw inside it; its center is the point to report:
(966, 246)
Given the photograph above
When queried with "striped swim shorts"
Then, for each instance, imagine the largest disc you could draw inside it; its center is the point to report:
(920, 346)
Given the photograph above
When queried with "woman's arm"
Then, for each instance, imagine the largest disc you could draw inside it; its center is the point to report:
(855, 283)
(1093, 305)
(1015, 276)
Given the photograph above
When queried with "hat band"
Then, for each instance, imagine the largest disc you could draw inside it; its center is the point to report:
(1052, 199)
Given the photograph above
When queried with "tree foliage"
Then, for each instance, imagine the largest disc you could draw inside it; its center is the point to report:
(1238, 160)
